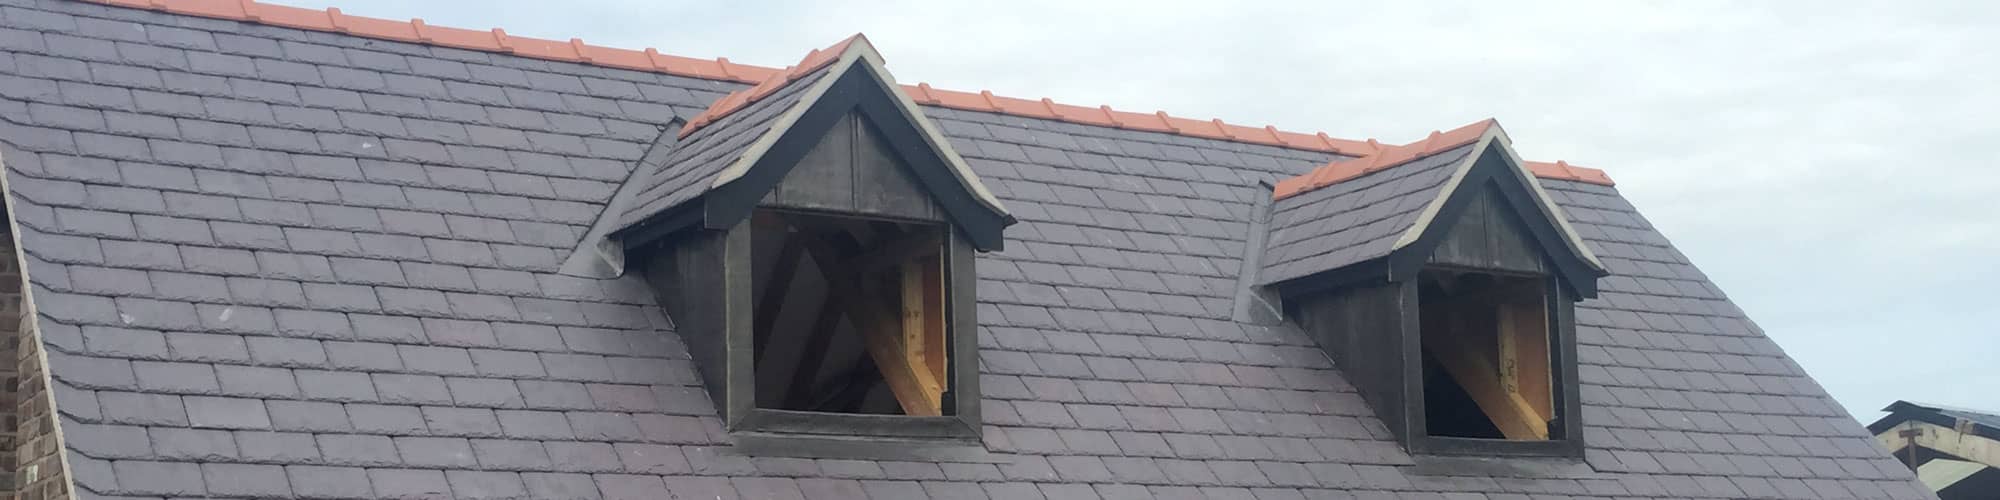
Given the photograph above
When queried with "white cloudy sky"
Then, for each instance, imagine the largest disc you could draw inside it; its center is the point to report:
(1831, 166)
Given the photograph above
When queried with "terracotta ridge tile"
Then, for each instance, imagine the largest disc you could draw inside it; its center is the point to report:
(721, 68)
(773, 80)
(1385, 157)
(1565, 171)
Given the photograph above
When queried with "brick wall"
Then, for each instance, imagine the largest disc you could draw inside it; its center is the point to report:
(11, 324)
(30, 448)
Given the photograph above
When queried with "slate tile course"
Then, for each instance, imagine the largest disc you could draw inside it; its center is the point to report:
(278, 263)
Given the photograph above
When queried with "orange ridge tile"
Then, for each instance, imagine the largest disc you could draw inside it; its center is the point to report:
(773, 80)
(649, 59)
(1565, 171)
(1385, 157)
(721, 68)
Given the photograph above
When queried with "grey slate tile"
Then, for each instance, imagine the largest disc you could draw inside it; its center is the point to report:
(387, 419)
(355, 449)
(142, 409)
(160, 478)
(248, 480)
(409, 483)
(193, 445)
(450, 421)
(110, 441)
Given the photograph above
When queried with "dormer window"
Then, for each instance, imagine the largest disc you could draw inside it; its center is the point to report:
(812, 239)
(1442, 281)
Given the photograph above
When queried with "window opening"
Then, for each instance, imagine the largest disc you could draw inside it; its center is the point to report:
(849, 314)
(1486, 343)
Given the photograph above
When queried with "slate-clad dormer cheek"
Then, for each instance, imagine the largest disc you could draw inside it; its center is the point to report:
(813, 238)
(1443, 282)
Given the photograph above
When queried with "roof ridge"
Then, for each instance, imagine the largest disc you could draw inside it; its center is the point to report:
(1385, 157)
(813, 61)
(721, 68)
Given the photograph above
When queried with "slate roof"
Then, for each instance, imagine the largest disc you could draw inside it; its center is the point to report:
(694, 160)
(280, 263)
(1355, 220)
(1353, 210)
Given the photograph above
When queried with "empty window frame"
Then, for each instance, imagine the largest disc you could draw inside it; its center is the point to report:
(1486, 342)
(850, 314)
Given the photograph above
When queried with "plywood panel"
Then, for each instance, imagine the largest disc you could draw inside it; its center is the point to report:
(1488, 235)
(887, 186)
(851, 170)
(1363, 330)
(1512, 247)
(824, 178)
(1464, 242)
(688, 280)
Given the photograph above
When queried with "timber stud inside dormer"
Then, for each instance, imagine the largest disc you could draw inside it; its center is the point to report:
(813, 238)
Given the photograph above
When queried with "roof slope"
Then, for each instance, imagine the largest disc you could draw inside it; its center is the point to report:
(1343, 223)
(711, 145)
(274, 263)
(649, 59)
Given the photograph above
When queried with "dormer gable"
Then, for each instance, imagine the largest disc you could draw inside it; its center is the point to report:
(1384, 216)
(1442, 280)
(833, 133)
(812, 238)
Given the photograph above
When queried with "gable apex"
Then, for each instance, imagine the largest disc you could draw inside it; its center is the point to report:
(1374, 218)
(1494, 163)
(732, 155)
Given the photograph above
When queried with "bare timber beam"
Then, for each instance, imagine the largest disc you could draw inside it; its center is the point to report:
(880, 335)
(1512, 415)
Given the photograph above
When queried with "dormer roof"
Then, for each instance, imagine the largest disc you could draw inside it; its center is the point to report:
(1381, 210)
(770, 126)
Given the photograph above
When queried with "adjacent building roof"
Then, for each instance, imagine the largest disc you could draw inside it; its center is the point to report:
(1901, 411)
(288, 253)
(1954, 451)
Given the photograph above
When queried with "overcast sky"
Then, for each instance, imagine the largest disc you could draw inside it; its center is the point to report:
(1831, 167)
